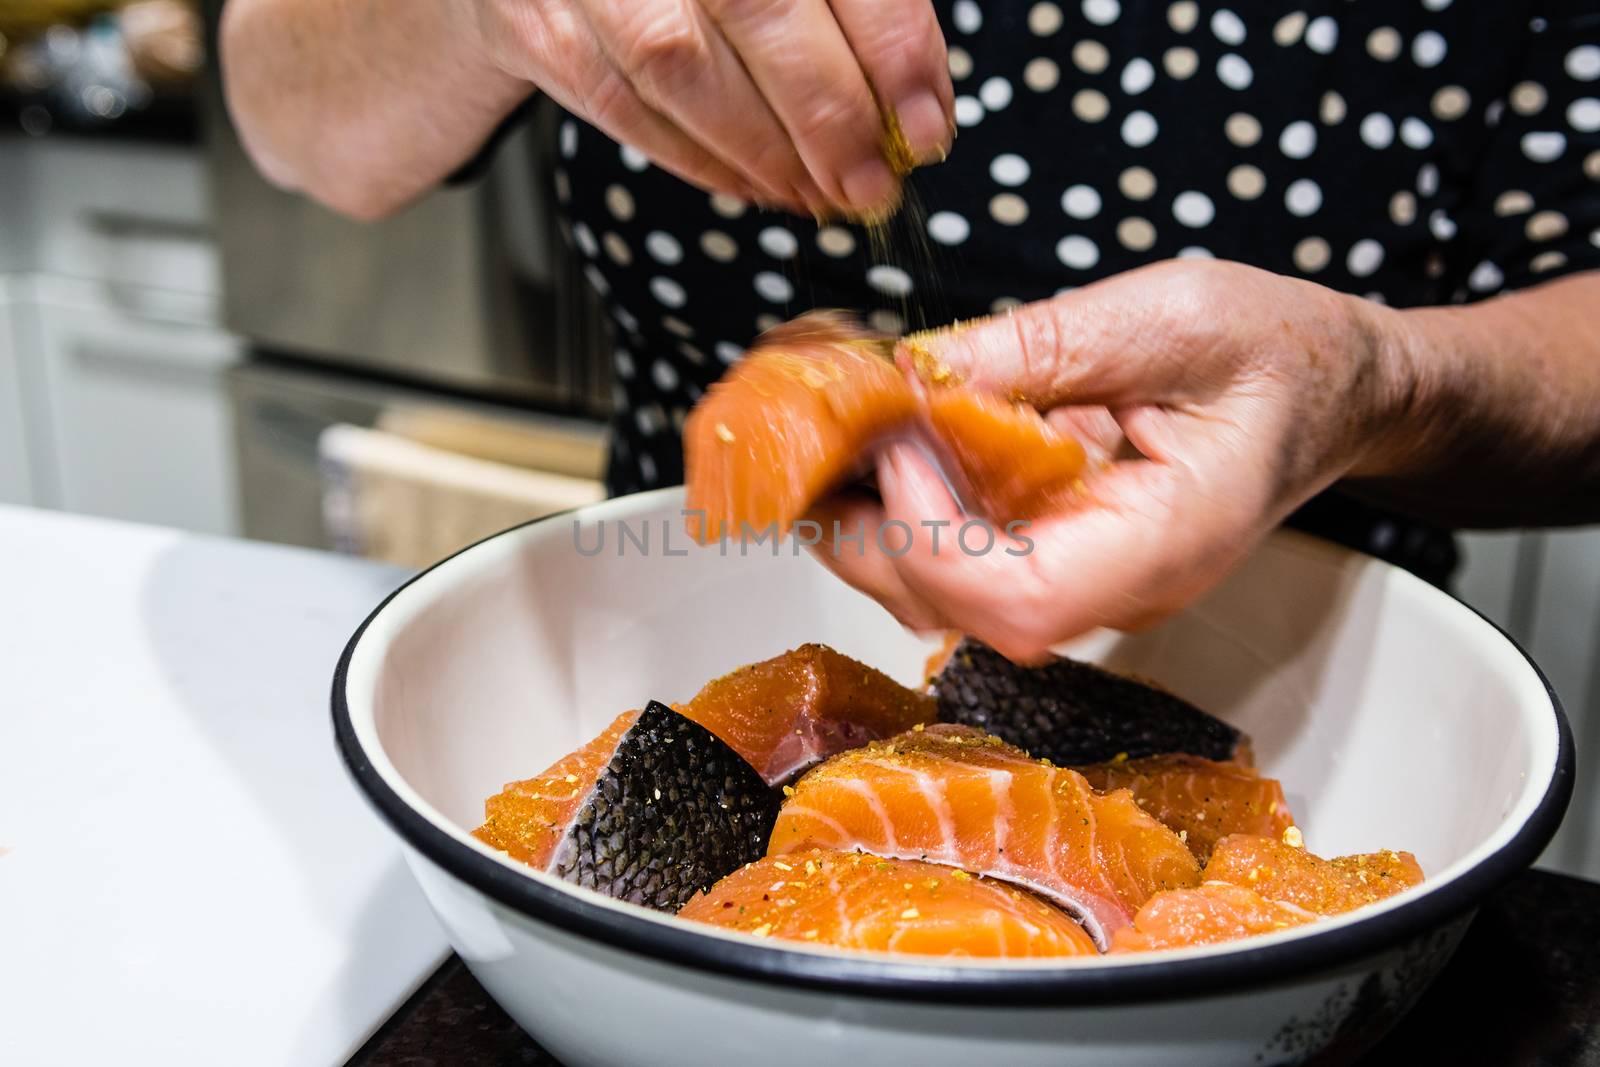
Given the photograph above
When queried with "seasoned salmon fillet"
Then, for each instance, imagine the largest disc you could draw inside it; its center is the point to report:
(792, 711)
(953, 795)
(801, 413)
(793, 419)
(855, 901)
(1256, 885)
(1205, 915)
(527, 819)
(1203, 800)
(1294, 876)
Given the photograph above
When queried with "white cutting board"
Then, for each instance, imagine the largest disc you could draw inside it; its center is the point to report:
(186, 875)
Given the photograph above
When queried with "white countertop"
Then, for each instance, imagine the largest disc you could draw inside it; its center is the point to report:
(186, 873)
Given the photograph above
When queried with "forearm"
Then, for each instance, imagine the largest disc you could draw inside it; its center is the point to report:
(361, 104)
(1498, 419)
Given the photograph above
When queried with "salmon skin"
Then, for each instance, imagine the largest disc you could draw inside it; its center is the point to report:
(652, 811)
(1072, 713)
(1294, 876)
(867, 903)
(801, 413)
(953, 795)
(790, 712)
(1258, 885)
(1202, 800)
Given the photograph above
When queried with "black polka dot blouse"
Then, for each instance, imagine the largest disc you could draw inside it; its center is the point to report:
(1411, 151)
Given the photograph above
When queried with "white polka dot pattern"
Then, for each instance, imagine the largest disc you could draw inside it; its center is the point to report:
(1193, 209)
(1303, 197)
(890, 281)
(774, 287)
(663, 248)
(1081, 202)
(1077, 252)
(1139, 129)
(1234, 72)
(948, 228)
(778, 242)
(1137, 76)
(1374, 148)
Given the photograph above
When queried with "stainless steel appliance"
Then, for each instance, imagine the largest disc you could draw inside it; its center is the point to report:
(471, 294)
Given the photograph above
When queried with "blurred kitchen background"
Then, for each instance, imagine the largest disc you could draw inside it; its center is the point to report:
(181, 344)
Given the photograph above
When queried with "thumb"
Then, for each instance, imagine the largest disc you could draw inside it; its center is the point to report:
(1107, 344)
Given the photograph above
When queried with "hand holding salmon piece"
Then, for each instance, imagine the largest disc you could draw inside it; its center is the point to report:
(811, 403)
(1213, 399)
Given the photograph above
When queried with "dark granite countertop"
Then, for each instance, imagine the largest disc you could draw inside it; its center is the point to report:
(1522, 991)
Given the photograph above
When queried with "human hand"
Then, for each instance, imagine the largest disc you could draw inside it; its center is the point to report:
(772, 102)
(1214, 398)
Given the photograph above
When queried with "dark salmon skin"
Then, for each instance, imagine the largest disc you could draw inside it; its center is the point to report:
(653, 811)
(1073, 713)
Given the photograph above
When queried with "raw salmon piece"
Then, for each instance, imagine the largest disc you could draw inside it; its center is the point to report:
(802, 411)
(1294, 876)
(792, 420)
(954, 795)
(1201, 799)
(527, 819)
(793, 711)
(1073, 713)
(854, 901)
(652, 811)
(1206, 915)
(1007, 462)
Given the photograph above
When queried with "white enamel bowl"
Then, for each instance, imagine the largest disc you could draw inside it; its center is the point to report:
(1396, 718)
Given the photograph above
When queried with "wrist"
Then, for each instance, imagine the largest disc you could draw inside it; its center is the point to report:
(489, 55)
(1397, 389)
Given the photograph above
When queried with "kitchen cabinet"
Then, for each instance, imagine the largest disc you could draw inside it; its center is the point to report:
(110, 346)
(134, 414)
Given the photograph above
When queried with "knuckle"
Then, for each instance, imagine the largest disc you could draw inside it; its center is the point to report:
(606, 97)
(833, 117)
(895, 51)
(662, 51)
(1039, 342)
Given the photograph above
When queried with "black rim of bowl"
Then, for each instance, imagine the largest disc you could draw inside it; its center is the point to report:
(1156, 979)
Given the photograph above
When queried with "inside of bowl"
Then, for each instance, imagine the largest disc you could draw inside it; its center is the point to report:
(1394, 717)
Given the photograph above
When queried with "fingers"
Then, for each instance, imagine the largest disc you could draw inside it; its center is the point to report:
(901, 49)
(1151, 540)
(1095, 429)
(679, 63)
(1130, 338)
(573, 68)
(798, 56)
(849, 548)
